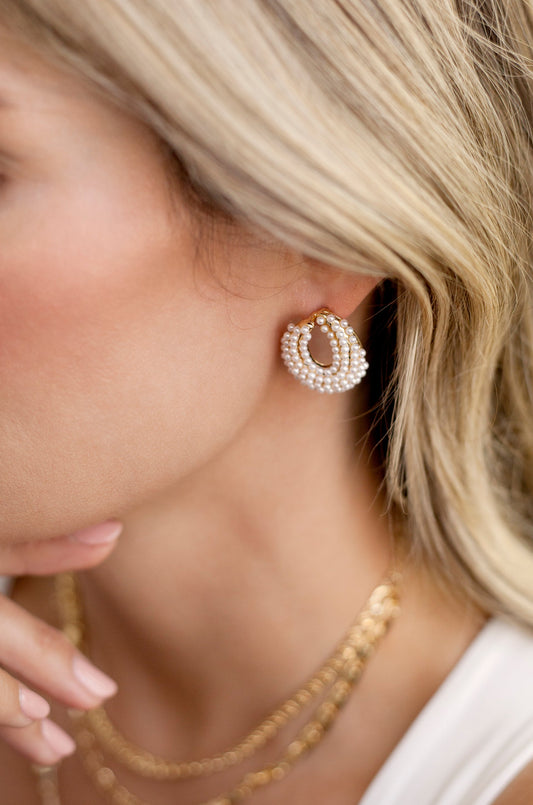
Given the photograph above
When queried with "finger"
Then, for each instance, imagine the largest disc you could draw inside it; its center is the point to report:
(43, 656)
(19, 706)
(81, 550)
(43, 742)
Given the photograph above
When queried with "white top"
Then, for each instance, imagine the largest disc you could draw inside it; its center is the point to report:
(473, 736)
(476, 732)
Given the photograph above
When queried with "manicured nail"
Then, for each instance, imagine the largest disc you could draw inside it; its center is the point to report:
(96, 682)
(57, 739)
(32, 705)
(98, 534)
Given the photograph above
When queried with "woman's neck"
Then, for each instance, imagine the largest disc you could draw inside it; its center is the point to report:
(226, 592)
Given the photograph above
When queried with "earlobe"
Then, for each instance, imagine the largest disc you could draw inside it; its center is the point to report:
(343, 290)
(350, 290)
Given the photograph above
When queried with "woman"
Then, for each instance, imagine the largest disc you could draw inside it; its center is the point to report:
(181, 182)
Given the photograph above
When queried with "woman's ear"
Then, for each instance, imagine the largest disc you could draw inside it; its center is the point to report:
(340, 290)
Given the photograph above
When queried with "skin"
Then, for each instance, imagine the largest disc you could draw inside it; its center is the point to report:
(141, 383)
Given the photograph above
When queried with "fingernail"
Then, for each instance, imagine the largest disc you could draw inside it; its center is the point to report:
(98, 534)
(96, 682)
(57, 739)
(32, 705)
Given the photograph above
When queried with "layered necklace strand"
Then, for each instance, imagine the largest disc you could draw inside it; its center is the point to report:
(95, 734)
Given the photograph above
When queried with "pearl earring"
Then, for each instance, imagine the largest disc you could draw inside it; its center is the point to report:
(348, 364)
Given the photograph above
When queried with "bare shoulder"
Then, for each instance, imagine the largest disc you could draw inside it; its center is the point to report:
(520, 791)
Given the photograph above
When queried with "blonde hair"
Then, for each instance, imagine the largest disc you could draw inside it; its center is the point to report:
(382, 137)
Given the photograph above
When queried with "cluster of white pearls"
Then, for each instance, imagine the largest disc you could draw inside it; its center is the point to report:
(348, 364)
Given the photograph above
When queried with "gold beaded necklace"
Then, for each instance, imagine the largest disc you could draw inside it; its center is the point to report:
(95, 734)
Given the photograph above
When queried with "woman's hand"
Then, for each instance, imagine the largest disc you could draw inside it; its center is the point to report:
(41, 654)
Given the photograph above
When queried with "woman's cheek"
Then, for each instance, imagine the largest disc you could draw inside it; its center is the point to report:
(76, 338)
(114, 378)
(78, 263)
